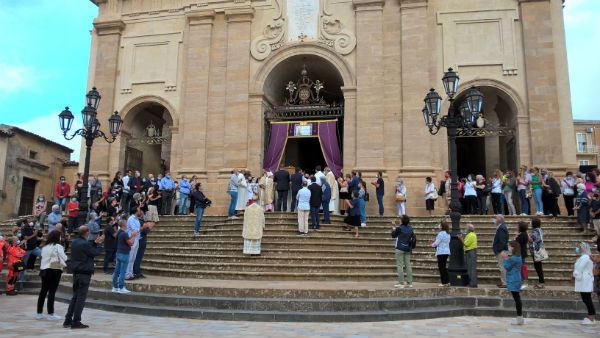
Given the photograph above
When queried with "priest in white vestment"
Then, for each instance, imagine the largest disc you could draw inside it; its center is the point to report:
(334, 204)
(242, 199)
(266, 191)
(254, 224)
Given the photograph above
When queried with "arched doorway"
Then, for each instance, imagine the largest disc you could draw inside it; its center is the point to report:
(148, 143)
(483, 153)
(305, 113)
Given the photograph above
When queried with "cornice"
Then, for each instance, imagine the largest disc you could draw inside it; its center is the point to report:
(239, 14)
(413, 3)
(203, 17)
(109, 27)
(368, 5)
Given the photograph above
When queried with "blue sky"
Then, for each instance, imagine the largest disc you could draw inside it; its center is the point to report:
(45, 46)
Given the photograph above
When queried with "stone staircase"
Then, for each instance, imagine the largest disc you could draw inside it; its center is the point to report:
(331, 253)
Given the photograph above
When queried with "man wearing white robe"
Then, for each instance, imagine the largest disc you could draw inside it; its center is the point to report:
(335, 201)
(242, 199)
(254, 224)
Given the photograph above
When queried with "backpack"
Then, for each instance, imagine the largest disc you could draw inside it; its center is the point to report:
(413, 241)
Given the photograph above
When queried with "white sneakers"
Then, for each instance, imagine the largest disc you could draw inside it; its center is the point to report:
(363, 224)
(54, 317)
(39, 316)
(518, 321)
(587, 321)
(403, 285)
(124, 291)
(115, 290)
(524, 286)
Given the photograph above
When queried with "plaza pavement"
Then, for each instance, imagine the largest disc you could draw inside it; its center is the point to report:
(17, 320)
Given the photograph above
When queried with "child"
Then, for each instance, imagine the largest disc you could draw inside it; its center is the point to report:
(512, 264)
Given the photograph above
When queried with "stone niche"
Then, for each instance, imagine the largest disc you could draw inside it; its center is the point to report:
(150, 59)
(480, 38)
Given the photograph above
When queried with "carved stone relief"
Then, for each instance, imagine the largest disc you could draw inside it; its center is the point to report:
(272, 37)
(333, 33)
(480, 38)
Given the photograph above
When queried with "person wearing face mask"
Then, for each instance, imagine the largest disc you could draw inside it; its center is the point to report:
(583, 276)
(582, 205)
(184, 191)
(379, 190)
(62, 191)
(595, 213)
(470, 196)
(31, 233)
(401, 196)
(110, 243)
(509, 185)
(134, 223)
(444, 191)
(430, 196)
(499, 245)
(201, 203)
(54, 218)
(153, 198)
(39, 209)
(512, 265)
(568, 191)
(82, 267)
(126, 192)
(497, 192)
(552, 192)
(167, 187)
(73, 212)
(94, 225)
(470, 246)
(481, 187)
(536, 187)
(590, 182)
(94, 186)
(14, 255)
(442, 251)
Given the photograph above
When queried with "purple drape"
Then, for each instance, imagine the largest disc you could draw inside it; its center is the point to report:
(276, 146)
(331, 149)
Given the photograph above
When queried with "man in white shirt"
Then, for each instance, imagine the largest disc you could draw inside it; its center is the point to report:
(303, 198)
(133, 224)
(319, 174)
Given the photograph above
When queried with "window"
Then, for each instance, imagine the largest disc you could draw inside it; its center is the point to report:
(584, 162)
(582, 142)
(33, 155)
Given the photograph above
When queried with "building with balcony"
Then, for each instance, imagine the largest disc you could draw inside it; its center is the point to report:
(587, 135)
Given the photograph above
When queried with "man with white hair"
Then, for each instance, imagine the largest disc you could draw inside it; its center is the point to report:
(54, 218)
(470, 245)
(500, 244)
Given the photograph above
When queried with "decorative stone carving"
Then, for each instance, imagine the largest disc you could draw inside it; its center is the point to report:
(333, 33)
(272, 37)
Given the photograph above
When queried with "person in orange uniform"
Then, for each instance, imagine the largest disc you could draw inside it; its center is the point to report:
(3, 249)
(15, 254)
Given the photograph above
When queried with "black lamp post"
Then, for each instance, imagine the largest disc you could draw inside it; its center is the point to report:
(90, 131)
(462, 117)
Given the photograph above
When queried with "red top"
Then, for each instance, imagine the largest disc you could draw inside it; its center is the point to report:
(66, 190)
(73, 205)
(15, 253)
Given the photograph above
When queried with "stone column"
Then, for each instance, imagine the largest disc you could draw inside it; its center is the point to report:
(541, 79)
(256, 134)
(349, 155)
(107, 39)
(239, 20)
(369, 84)
(195, 101)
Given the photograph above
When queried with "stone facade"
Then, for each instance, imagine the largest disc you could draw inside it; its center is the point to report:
(30, 165)
(210, 65)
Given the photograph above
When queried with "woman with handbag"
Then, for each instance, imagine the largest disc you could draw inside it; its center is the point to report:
(430, 195)
(537, 250)
(53, 261)
(14, 264)
(401, 196)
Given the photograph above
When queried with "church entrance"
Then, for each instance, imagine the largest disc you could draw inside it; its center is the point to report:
(304, 128)
(480, 152)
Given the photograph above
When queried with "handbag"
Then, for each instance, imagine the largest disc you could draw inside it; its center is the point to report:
(540, 255)
(433, 195)
(366, 197)
(18, 266)
(55, 261)
(400, 198)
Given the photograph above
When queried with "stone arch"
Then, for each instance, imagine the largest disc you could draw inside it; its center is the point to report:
(505, 91)
(303, 48)
(126, 110)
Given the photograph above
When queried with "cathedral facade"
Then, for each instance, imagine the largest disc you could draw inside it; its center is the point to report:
(205, 86)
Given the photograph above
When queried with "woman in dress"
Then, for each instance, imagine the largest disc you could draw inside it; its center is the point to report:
(53, 261)
(353, 218)
(583, 276)
(401, 196)
(429, 195)
(442, 251)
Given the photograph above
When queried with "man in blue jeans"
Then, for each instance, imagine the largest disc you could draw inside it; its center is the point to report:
(379, 190)
(184, 191)
(232, 189)
(32, 234)
(124, 243)
(201, 203)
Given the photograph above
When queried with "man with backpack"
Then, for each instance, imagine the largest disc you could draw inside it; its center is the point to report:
(406, 240)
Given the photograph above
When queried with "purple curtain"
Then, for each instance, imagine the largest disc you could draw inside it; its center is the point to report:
(279, 133)
(331, 149)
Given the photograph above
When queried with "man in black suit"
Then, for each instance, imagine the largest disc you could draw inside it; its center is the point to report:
(316, 194)
(296, 179)
(282, 179)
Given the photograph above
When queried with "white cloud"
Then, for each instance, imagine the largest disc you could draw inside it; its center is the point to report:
(48, 127)
(14, 78)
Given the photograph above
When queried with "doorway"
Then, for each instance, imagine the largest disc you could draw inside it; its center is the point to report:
(27, 196)
(304, 153)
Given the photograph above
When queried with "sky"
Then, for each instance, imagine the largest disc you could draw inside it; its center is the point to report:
(45, 47)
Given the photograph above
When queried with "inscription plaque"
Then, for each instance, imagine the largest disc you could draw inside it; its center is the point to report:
(303, 18)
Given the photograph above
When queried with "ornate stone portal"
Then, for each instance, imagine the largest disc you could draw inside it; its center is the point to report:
(216, 67)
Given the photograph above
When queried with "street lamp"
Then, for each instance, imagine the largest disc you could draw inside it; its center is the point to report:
(90, 131)
(463, 118)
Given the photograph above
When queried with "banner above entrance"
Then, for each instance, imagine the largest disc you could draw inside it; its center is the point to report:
(325, 131)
